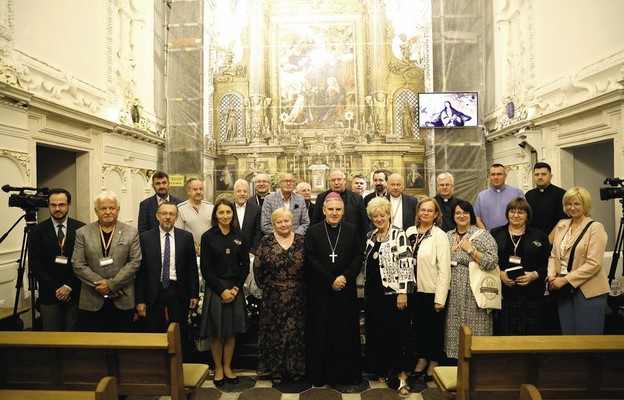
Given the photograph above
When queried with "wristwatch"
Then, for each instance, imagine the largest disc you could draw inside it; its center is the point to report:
(470, 251)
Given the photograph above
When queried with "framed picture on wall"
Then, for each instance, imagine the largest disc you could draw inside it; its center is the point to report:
(414, 175)
(225, 177)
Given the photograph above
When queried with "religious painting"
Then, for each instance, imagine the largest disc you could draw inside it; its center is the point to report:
(226, 177)
(317, 74)
(414, 176)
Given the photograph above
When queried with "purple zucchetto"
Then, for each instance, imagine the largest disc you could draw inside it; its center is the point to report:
(332, 196)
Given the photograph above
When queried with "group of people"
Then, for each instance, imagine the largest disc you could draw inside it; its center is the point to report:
(407, 259)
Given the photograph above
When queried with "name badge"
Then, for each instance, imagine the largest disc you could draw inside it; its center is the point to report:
(61, 260)
(106, 261)
(227, 251)
(564, 267)
(515, 260)
(453, 263)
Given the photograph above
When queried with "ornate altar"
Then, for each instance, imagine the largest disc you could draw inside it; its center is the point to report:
(314, 86)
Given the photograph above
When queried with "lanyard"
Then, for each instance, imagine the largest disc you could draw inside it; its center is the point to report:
(110, 239)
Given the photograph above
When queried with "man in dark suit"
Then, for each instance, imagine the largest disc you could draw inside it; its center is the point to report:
(168, 277)
(402, 206)
(380, 184)
(445, 186)
(304, 189)
(50, 248)
(148, 207)
(107, 256)
(248, 214)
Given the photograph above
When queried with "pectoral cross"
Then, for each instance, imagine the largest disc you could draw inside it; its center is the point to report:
(333, 256)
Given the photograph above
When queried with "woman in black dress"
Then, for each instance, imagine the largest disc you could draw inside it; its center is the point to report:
(224, 265)
(523, 259)
(389, 272)
(278, 269)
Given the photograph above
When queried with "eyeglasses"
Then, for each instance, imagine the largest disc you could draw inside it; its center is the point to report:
(517, 212)
(262, 181)
(422, 210)
(288, 181)
(574, 205)
(165, 213)
(458, 213)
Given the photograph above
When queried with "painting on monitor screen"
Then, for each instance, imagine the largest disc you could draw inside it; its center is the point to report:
(447, 110)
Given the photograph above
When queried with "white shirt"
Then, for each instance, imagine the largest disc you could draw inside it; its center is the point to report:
(172, 269)
(396, 211)
(240, 214)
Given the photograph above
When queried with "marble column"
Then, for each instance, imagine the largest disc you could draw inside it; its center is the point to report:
(258, 101)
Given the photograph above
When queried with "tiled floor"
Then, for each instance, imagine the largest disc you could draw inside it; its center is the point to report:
(252, 388)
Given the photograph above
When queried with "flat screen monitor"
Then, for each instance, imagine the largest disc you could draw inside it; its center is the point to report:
(447, 109)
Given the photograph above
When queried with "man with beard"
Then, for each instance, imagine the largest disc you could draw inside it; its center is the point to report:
(50, 249)
(333, 259)
(546, 200)
(147, 208)
(380, 180)
(354, 209)
(195, 214)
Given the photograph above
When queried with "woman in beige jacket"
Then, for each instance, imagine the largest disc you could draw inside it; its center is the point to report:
(576, 271)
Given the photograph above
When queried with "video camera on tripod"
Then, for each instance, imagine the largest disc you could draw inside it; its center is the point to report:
(27, 202)
(30, 203)
(615, 299)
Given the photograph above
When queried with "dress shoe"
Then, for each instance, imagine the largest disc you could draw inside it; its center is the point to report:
(232, 381)
(219, 382)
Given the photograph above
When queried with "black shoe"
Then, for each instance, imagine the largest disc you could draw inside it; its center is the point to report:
(219, 382)
(233, 381)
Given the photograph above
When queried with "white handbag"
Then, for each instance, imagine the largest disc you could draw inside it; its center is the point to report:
(486, 285)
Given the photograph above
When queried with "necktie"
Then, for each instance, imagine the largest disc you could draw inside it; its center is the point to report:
(60, 234)
(166, 256)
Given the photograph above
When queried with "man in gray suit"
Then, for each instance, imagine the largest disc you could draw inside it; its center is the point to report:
(107, 256)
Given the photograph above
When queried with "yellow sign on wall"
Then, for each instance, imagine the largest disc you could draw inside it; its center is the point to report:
(176, 180)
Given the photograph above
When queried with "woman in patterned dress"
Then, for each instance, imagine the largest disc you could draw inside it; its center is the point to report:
(462, 306)
(278, 269)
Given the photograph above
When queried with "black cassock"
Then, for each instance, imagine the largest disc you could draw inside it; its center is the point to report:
(332, 331)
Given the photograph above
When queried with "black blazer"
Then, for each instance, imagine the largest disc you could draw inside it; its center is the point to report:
(408, 208)
(43, 248)
(147, 282)
(251, 225)
(147, 212)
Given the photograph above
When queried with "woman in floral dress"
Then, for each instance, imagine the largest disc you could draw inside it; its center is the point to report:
(278, 270)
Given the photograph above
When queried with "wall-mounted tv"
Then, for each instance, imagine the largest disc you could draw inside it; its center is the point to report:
(447, 109)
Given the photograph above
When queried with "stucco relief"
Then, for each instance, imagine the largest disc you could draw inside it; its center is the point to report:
(23, 159)
(6, 20)
(121, 171)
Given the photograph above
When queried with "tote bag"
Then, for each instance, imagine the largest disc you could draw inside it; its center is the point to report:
(486, 285)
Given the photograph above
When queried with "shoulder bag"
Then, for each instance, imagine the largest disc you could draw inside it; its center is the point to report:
(486, 285)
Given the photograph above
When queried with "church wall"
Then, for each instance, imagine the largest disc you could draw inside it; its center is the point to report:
(559, 71)
(74, 74)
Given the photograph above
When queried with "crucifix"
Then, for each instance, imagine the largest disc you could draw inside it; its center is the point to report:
(333, 256)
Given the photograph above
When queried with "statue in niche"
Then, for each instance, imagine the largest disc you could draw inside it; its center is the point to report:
(407, 120)
(377, 108)
(231, 124)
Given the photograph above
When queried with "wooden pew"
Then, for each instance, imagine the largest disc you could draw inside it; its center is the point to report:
(561, 367)
(143, 363)
(106, 390)
(529, 392)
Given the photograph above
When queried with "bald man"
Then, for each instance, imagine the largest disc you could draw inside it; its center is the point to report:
(402, 206)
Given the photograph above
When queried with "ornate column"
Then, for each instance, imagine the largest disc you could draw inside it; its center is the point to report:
(258, 102)
(377, 68)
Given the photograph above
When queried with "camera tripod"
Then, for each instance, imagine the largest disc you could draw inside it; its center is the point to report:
(615, 302)
(31, 221)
